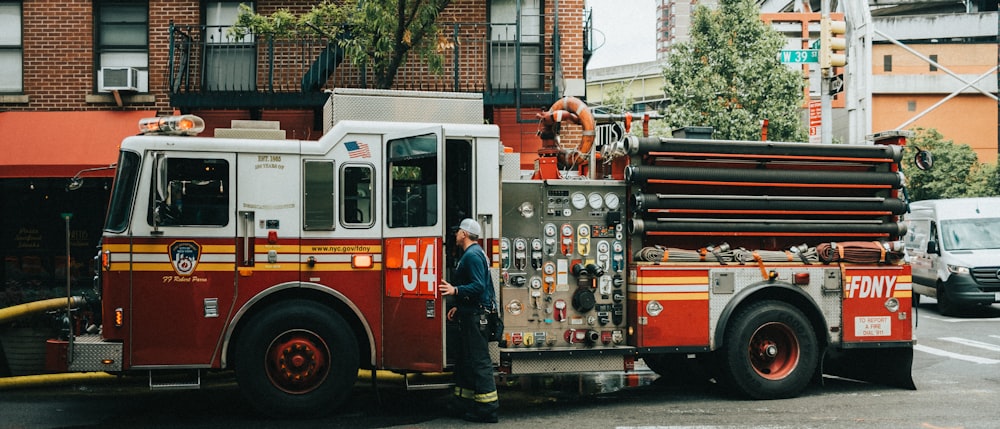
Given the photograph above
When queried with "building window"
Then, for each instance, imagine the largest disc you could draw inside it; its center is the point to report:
(230, 61)
(887, 63)
(911, 106)
(122, 45)
(11, 70)
(933, 67)
(510, 34)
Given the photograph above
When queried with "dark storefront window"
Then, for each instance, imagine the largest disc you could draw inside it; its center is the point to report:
(33, 237)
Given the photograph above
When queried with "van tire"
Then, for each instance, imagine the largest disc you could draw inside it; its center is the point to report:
(946, 305)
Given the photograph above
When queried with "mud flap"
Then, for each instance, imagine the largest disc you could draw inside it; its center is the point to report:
(890, 366)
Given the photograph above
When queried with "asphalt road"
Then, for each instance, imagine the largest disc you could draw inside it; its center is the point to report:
(956, 369)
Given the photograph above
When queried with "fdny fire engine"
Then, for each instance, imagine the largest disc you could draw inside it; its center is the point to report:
(296, 263)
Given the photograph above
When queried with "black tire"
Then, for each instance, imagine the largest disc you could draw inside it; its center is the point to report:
(946, 305)
(770, 351)
(296, 359)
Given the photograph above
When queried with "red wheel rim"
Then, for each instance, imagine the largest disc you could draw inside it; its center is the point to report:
(774, 351)
(297, 361)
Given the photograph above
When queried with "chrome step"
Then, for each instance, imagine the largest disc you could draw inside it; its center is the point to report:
(174, 380)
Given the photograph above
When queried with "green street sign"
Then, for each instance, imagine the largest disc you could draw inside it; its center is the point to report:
(799, 56)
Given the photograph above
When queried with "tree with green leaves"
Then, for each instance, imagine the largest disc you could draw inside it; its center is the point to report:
(956, 172)
(728, 76)
(378, 35)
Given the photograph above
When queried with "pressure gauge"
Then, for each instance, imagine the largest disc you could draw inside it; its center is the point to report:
(519, 245)
(611, 200)
(595, 200)
(549, 268)
(550, 230)
(579, 200)
(567, 230)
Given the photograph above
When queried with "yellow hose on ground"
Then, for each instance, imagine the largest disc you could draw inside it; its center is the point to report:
(10, 313)
(25, 381)
(42, 380)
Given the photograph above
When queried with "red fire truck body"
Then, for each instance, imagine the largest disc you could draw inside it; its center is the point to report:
(296, 263)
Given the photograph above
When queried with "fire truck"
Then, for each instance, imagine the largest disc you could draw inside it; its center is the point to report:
(297, 263)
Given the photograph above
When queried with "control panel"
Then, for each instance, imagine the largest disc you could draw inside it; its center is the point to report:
(563, 264)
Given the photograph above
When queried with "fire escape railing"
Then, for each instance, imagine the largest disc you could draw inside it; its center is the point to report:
(210, 68)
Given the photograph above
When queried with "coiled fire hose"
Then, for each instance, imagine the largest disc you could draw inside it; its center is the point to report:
(866, 252)
(723, 255)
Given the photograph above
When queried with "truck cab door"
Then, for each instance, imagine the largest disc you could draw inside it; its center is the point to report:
(413, 316)
(183, 268)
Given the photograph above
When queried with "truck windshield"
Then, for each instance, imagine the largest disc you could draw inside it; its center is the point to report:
(971, 234)
(123, 192)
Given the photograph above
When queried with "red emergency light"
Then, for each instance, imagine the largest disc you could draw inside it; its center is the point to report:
(187, 125)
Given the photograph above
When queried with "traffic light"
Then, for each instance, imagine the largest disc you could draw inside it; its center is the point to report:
(832, 39)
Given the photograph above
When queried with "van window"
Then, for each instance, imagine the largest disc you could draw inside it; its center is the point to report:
(971, 234)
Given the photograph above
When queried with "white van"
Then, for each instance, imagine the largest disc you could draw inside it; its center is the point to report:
(954, 251)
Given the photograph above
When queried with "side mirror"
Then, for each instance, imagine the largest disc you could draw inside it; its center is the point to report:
(923, 159)
(932, 247)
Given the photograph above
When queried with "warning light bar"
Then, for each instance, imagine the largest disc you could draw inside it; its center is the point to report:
(185, 125)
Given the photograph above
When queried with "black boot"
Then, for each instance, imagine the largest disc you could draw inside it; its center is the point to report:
(457, 407)
(483, 412)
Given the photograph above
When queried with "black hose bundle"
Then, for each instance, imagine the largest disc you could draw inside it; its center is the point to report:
(861, 252)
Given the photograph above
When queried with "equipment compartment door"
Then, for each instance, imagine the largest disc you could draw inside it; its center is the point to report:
(184, 259)
(413, 328)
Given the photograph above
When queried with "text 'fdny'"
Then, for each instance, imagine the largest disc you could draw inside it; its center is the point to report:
(870, 286)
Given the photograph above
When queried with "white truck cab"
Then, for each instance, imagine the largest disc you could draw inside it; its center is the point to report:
(954, 251)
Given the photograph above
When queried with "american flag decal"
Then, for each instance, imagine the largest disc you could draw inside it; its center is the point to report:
(357, 150)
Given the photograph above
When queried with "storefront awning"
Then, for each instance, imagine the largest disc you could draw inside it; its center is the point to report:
(59, 144)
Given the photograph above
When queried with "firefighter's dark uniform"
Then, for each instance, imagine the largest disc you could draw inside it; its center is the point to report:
(474, 369)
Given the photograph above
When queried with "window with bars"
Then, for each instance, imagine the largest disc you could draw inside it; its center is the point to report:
(11, 49)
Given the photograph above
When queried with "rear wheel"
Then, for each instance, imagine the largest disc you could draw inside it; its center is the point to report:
(770, 351)
(296, 359)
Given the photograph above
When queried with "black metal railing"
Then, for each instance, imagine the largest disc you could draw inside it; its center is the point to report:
(211, 68)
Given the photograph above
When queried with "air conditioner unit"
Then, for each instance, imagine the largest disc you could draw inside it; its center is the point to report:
(119, 79)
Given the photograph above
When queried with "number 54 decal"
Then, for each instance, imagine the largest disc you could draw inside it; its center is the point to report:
(412, 265)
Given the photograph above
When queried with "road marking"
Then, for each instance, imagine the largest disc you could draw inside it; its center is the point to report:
(939, 352)
(973, 343)
(951, 320)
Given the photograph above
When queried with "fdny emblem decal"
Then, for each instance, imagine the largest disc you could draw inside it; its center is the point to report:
(184, 257)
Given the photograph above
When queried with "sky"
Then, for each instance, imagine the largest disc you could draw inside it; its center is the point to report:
(624, 32)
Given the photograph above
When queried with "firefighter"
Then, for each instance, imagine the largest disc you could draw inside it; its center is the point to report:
(475, 388)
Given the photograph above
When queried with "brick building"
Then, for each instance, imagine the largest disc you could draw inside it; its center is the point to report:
(76, 75)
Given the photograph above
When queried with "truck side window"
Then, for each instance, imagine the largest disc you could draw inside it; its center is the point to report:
(413, 183)
(192, 192)
(357, 195)
(318, 198)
